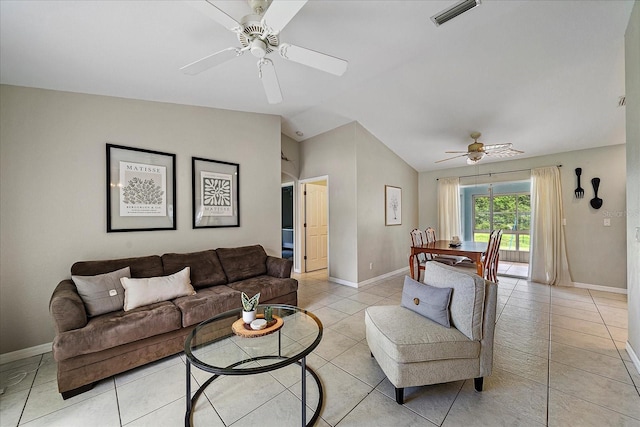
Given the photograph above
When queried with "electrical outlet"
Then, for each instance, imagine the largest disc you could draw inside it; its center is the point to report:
(370, 266)
(607, 222)
(564, 221)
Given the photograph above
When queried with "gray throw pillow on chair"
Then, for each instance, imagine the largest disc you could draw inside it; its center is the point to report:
(428, 301)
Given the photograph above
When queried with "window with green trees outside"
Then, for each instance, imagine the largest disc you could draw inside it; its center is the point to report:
(509, 212)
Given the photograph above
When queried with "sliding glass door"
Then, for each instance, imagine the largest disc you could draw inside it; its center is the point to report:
(505, 206)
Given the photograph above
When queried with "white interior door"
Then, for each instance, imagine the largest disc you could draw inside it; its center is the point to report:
(316, 221)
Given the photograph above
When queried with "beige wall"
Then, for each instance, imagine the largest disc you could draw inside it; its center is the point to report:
(332, 154)
(383, 248)
(52, 187)
(632, 72)
(596, 254)
(358, 166)
(291, 167)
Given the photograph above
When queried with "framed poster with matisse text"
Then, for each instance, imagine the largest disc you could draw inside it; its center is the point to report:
(141, 189)
(215, 193)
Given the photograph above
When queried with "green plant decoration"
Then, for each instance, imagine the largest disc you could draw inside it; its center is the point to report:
(250, 304)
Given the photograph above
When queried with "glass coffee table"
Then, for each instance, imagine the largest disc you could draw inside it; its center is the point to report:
(223, 346)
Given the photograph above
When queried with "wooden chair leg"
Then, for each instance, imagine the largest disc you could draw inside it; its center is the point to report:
(400, 395)
(477, 383)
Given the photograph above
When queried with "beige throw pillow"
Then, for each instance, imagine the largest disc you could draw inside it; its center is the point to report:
(102, 293)
(139, 292)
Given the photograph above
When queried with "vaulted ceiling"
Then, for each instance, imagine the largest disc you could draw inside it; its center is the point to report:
(543, 75)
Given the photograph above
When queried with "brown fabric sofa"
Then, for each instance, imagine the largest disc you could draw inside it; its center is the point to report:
(88, 349)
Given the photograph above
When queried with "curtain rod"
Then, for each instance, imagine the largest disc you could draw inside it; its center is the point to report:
(495, 173)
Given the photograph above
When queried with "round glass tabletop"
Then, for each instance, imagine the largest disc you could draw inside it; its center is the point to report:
(214, 347)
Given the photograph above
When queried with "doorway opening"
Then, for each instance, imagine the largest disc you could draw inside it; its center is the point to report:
(288, 234)
(315, 224)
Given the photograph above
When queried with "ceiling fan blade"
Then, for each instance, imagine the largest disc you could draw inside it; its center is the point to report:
(451, 158)
(280, 12)
(214, 13)
(313, 59)
(267, 73)
(456, 152)
(501, 150)
(496, 147)
(508, 152)
(211, 61)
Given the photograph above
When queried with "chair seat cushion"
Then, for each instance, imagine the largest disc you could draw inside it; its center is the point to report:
(408, 337)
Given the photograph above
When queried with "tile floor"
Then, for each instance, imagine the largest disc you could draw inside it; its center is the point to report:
(513, 269)
(559, 361)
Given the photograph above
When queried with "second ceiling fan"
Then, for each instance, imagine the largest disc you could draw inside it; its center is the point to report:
(477, 150)
(258, 33)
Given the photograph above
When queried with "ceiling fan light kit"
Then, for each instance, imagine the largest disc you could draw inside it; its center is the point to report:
(258, 33)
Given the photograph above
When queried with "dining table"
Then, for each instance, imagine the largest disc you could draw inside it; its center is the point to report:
(472, 250)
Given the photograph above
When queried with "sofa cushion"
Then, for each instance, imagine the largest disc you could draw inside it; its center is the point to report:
(243, 262)
(139, 292)
(205, 267)
(206, 303)
(467, 299)
(269, 287)
(147, 266)
(102, 293)
(117, 328)
(427, 301)
(407, 337)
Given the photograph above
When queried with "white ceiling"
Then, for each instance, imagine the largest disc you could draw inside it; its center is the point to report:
(544, 75)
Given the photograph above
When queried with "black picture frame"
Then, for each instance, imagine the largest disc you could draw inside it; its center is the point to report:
(150, 188)
(215, 193)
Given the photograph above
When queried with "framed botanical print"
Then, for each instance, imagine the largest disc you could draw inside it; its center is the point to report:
(392, 205)
(215, 193)
(141, 189)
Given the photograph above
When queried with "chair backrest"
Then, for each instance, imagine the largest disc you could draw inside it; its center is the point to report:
(491, 256)
(418, 239)
(431, 235)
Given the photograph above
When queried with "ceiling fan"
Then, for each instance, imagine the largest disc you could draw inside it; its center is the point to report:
(477, 150)
(258, 34)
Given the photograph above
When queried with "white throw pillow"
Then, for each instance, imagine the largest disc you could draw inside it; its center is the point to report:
(139, 292)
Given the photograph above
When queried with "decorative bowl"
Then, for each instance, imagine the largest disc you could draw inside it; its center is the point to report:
(258, 324)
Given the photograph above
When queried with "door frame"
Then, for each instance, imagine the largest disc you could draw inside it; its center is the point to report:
(300, 237)
(295, 217)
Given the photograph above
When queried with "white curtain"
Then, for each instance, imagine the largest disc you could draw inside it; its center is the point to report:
(547, 257)
(448, 208)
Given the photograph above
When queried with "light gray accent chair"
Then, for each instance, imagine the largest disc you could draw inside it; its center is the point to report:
(415, 351)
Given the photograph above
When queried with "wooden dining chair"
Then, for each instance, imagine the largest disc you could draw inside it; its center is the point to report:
(489, 259)
(418, 239)
(492, 256)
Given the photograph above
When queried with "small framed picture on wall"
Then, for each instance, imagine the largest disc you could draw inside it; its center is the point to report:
(141, 189)
(392, 205)
(215, 193)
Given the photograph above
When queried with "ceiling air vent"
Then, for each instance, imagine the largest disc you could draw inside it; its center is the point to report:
(455, 10)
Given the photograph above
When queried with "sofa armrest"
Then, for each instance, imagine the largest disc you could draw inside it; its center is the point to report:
(66, 307)
(279, 267)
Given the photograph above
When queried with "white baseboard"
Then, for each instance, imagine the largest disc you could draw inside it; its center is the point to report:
(25, 352)
(600, 288)
(368, 281)
(634, 357)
